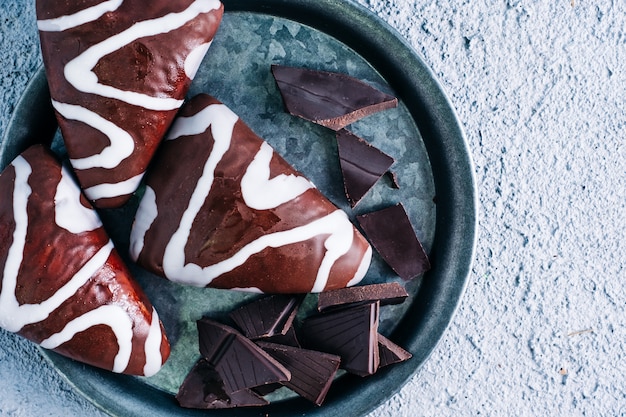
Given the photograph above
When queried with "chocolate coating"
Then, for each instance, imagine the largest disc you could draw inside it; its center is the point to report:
(105, 73)
(228, 216)
(72, 292)
(330, 99)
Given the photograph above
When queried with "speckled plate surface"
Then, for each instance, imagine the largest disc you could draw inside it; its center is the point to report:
(432, 163)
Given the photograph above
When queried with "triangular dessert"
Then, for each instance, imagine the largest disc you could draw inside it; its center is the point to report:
(312, 372)
(330, 99)
(203, 388)
(222, 209)
(240, 362)
(268, 316)
(362, 165)
(63, 285)
(350, 332)
(390, 231)
(386, 293)
(118, 72)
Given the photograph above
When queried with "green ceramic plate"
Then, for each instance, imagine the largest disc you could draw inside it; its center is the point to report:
(432, 164)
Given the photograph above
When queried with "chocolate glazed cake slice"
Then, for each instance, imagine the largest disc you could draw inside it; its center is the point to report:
(236, 215)
(63, 285)
(118, 72)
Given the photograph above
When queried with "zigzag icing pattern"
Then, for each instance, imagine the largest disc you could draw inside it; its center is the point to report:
(305, 230)
(132, 140)
(76, 225)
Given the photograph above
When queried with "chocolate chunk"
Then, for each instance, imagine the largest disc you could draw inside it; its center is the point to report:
(290, 338)
(203, 388)
(393, 177)
(362, 165)
(390, 232)
(312, 372)
(386, 293)
(350, 332)
(390, 353)
(240, 362)
(330, 99)
(267, 316)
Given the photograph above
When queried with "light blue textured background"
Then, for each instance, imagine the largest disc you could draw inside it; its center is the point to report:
(541, 90)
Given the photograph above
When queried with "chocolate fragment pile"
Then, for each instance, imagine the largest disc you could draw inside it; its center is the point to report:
(362, 165)
(390, 231)
(330, 99)
(235, 371)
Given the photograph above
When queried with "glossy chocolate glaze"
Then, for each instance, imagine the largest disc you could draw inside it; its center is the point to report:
(51, 259)
(153, 65)
(226, 224)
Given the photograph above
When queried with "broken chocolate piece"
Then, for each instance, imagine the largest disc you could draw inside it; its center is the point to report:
(240, 362)
(290, 338)
(312, 372)
(386, 293)
(203, 388)
(390, 231)
(390, 353)
(350, 332)
(330, 99)
(393, 177)
(267, 316)
(221, 208)
(362, 165)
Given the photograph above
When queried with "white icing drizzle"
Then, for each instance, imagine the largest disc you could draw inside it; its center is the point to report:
(69, 213)
(110, 190)
(122, 143)
(110, 315)
(194, 59)
(152, 347)
(222, 121)
(19, 315)
(253, 290)
(9, 314)
(147, 212)
(59, 24)
(79, 71)
(262, 193)
(362, 269)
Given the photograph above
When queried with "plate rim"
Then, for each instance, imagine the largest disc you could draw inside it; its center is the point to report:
(456, 209)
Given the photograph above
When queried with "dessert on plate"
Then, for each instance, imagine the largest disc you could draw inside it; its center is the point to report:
(62, 283)
(222, 209)
(118, 72)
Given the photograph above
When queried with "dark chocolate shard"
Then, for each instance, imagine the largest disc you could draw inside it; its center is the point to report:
(393, 177)
(312, 372)
(330, 99)
(390, 232)
(290, 338)
(386, 293)
(240, 362)
(391, 353)
(267, 316)
(362, 165)
(203, 388)
(350, 332)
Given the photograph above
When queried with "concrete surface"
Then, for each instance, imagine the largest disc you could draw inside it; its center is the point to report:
(540, 87)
